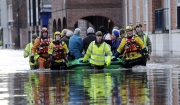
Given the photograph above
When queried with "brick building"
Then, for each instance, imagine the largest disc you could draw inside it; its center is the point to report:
(161, 23)
(66, 13)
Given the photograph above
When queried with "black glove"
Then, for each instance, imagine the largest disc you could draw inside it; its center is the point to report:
(147, 55)
(144, 50)
(114, 59)
(117, 54)
(32, 59)
(52, 59)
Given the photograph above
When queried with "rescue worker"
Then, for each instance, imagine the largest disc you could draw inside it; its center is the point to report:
(97, 50)
(122, 33)
(89, 38)
(27, 53)
(58, 51)
(130, 48)
(41, 45)
(145, 38)
(75, 45)
(66, 38)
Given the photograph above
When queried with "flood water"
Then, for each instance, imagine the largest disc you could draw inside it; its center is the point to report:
(156, 84)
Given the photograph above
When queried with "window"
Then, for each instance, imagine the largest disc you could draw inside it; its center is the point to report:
(178, 17)
(130, 13)
(137, 12)
(144, 11)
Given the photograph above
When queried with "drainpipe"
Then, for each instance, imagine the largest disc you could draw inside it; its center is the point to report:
(126, 10)
(66, 13)
(147, 21)
(170, 36)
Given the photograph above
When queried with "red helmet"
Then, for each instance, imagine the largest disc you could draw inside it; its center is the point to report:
(44, 29)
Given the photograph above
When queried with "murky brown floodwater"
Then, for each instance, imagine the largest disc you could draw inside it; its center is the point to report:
(156, 84)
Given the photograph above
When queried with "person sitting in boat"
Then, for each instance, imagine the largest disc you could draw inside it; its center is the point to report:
(97, 50)
(131, 49)
(89, 38)
(66, 38)
(106, 35)
(75, 45)
(58, 51)
(116, 41)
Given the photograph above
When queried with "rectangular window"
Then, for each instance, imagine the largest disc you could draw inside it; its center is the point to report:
(137, 12)
(144, 11)
(178, 17)
(130, 13)
(159, 19)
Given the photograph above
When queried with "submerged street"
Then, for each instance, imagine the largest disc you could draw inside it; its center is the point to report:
(156, 84)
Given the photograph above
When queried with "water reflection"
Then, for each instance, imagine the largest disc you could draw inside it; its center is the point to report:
(109, 87)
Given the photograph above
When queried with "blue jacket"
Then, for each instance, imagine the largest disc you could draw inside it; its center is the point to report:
(76, 46)
(115, 45)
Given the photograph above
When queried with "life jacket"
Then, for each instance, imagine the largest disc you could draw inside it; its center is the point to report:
(43, 46)
(131, 45)
(58, 51)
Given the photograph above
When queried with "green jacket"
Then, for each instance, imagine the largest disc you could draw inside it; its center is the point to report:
(27, 52)
(145, 38)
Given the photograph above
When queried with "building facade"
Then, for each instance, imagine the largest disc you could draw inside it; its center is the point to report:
(160, 19)
(66, 13)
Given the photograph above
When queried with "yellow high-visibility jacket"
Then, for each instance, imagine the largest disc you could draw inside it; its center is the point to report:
(27, 52)
(51, 50)
(131, 55)
(98, 54)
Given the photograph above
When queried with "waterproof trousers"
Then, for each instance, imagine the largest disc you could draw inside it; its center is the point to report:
(43, 63)
(134, 62)
(58, 66)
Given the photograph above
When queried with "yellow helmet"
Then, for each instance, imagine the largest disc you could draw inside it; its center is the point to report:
(129, 28)
(57, 33)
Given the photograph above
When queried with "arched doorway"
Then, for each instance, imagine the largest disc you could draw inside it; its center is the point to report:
(54, 26)
(59, 25)
(95, 22)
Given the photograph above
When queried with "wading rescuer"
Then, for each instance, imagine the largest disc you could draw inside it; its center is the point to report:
(97, 50)
(27, 53)
(145, 38)
(131, 49)
(41, 45)
(58, 51)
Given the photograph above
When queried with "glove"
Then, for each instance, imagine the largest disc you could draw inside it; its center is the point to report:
(144, 50)
(117, 54)
(108, 63)
(114, 59)
(52, 59)
(85, 58)
(32, 59)
(147, 55)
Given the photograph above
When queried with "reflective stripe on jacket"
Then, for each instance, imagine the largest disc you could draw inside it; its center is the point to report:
(98, 54)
